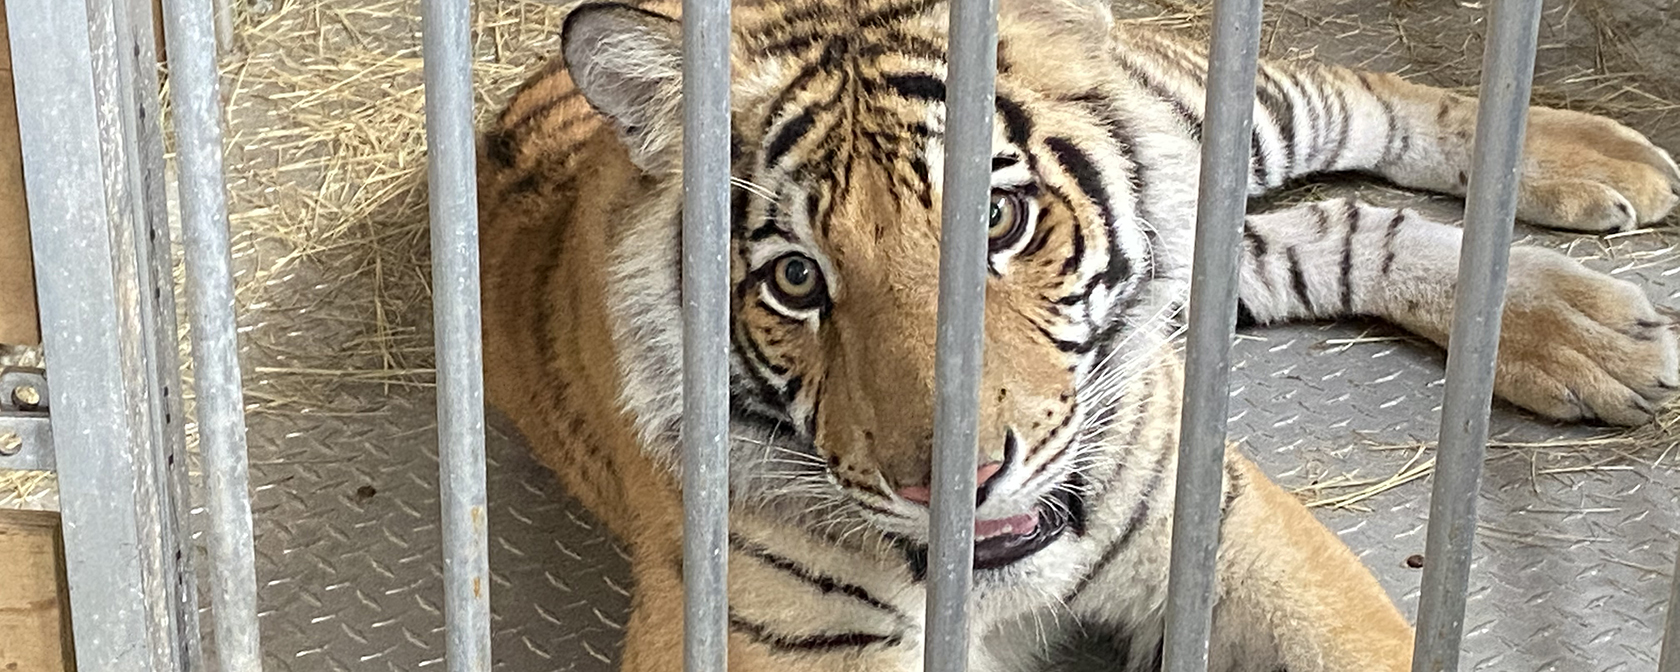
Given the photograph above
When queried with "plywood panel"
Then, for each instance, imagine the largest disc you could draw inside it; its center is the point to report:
(33, 611)
(18, 322)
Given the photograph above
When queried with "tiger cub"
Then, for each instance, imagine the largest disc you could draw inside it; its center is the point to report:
(837, 123)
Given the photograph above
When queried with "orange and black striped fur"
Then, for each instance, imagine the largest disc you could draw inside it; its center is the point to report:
(837, 124)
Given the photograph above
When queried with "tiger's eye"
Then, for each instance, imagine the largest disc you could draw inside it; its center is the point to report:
(797, 277)
(1009, 220)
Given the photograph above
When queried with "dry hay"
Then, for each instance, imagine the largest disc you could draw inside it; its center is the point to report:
(327, 171)
(326, 161)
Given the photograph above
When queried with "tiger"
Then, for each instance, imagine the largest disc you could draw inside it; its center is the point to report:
(836, 124)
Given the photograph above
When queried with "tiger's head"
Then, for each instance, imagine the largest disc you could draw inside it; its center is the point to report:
(838, 116)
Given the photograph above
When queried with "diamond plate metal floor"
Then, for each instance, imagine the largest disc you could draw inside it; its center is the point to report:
(1573, 557)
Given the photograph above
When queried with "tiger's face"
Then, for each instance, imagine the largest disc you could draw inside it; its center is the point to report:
(835, 270)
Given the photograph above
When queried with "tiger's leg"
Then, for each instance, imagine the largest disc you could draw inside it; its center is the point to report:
(1291, 595)
(1575, 345)
(1580, 172)
(653, 638)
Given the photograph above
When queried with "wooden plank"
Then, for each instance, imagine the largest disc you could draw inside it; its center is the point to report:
(33, 612)
(19, 324)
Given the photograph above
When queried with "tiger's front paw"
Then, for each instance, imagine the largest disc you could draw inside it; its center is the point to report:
(1587, 173)
(1582, 346)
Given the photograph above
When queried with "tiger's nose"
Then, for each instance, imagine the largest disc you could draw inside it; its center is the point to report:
(921, 494)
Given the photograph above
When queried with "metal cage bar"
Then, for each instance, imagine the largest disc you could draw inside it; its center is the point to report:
(450, 167)
(1220, 208)
(960, 341)
(1670, 657)
(124, 49)
(705, 320)
(105, 328)
(1473, 345)
(196, 95)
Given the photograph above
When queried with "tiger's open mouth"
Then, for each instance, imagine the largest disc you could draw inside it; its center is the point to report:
(1002, 542)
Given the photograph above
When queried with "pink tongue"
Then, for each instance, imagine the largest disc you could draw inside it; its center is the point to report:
(1015, 525)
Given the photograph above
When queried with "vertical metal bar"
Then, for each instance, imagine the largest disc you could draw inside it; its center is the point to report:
(970, 107)
(224, 25)
(1490, 209)
(124, 50)
(451, 165)
(705, 291)
(196, 95)
(1670, 660)
(88, 287)
(1220, 207)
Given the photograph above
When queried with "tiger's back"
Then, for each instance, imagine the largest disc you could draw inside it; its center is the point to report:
(545, 197)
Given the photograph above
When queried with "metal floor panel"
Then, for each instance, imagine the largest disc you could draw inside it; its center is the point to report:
(1571, 574)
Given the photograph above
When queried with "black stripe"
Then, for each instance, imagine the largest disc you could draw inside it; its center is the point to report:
(807, 643)
(1277, 105)
(1192, 121)
(1298, 281)
(1390, 121)
(765, 393)
(916, 86)
(787, 136)
(1074, 347)
(824, 584)
(1255, 240)
(1134, 523)
(1085, 174)
(898, 42)
(1352, 216)
(791, 390)
(739, 201)
(1342, 130)
(1077, 163)
(513, 123)
(1017, 127)
(1316, 123)
(1077, 255)
(915, 557)
(1257, 159)
(1388, 241)
(818, 30)
(749, 346)
(499, 148)
(829, 61)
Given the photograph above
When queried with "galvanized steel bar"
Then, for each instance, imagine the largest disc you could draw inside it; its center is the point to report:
(450, 168)
(969, 110)
(1670, 660)
(224, 25)
(85, 285)
(705, 292)
(195, 92)
(1670, 656)
(1490, 209)
(124, 49)
(1220, 208)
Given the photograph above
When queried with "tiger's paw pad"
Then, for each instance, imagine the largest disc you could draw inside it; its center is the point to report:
(1578, 345)
(1588, 173)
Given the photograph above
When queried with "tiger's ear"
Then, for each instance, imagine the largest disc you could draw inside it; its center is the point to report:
(627, 62)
